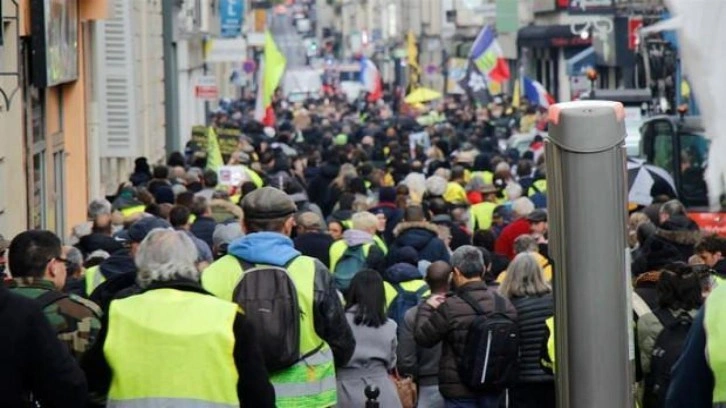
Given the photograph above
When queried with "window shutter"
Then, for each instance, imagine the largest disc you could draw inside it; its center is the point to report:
(116, 96)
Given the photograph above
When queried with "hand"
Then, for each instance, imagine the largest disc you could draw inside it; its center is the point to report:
(435, 300)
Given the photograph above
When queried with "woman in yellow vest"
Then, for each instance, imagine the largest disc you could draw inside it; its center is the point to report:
(174, 344)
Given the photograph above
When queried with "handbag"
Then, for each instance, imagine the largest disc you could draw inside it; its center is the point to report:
(407, 391)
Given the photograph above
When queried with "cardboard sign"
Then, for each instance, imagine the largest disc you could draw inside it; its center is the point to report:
(232, 175)
(228, 139)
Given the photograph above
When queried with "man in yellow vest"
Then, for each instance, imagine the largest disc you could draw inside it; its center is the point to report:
(324, 331)
(174, 344)
(481, 215)
(528, 243)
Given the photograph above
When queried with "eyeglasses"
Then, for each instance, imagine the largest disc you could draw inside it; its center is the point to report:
(68, 264)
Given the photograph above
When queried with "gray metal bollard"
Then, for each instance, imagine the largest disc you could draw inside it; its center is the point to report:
(586, 196)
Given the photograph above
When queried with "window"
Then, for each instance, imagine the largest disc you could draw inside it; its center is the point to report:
(38, 211)
(663, 145)
(694, 157)
(60, 194)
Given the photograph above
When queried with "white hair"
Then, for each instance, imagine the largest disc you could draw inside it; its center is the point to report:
(522, 206)
(503, 167)
(513, 191)
(364, 221)
(99, 206)
(166, 255)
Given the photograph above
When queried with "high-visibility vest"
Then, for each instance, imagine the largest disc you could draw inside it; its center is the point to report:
(549, 362)
(94, 278)
(481, 216)
(715, 340)
(455, 193)
(409, 286)
(338, 249)
(310, 382)
(153, 350)
(538, 186)
(133, 210)
(380, 244)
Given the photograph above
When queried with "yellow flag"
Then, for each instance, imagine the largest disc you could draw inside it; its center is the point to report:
(412, 51)
(214, 155)
(274, 67)
(515, 94)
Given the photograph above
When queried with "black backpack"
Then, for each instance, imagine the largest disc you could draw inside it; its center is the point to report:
(268, 298)
(666, 350)
(491, 352)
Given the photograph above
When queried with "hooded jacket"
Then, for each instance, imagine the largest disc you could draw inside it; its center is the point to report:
(273, 248)
(677, 237)
(402, 272)
(422, 236)
(316, 245)
(225, 210)
(353, 238)
(449, 324)
(318, 187)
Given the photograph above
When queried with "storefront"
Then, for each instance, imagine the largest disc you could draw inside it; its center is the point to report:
(53, 81)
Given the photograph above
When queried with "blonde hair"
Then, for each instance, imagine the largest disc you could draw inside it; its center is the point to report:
(345, 174)
(524, 278)
(364, 221)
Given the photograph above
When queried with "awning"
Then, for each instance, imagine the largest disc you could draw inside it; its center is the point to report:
(534, 36)
(579, 63)
(672, 23)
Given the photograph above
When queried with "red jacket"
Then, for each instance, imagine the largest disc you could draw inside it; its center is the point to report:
(505, 241)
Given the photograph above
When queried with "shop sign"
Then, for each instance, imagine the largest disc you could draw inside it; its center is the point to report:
(206, 88)
(55, 41)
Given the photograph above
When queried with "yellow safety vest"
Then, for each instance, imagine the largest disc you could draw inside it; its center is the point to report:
(409, 286)
(310, 382)
(455, 193)
(550, 361)
(487, 176)
(94, 278)
(538, 186)
(137, 209)
(380, 244)
(481, 216)
(338, 249)
(151, 333)
(715, 339)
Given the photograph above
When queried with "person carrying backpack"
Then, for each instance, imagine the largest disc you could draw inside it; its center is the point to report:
(405, 288)
(304, 330)
(662, 333)
(356, 251)
(478, 329)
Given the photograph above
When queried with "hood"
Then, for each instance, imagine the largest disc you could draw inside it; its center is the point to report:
(680, 230)
(119, 263)
(357, 237)
(329, 171)
(269, 248)
(222, 210)
(416, 234)
(401, 272)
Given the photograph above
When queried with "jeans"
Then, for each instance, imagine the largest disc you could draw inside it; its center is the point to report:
(485, 401)
(429, 397)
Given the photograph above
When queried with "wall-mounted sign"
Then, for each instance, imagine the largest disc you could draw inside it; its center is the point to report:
(54, 32)
(591, 7)
(231, 16)
(206, 88)
(226, 50)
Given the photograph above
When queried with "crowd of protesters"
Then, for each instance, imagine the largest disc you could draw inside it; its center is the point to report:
(347, 254)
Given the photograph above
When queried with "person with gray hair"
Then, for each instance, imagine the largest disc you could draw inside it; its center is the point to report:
(74, 272)
(154, 327)
(531, 295)
(98, 207)
(528, 244)
(448, 319)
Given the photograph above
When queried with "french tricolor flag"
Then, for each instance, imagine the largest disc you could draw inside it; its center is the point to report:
(536, 93)
(371, 79)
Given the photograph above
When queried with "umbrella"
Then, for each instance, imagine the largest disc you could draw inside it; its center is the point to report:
(421, 95)
(646, 181)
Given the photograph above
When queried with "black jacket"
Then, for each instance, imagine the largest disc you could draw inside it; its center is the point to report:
(203, 228)
(253, 386)
(315, 244)
(422, 236)
(318, 186)
(450, 323)
(96, 241)
(119, 270)
(33, 360)
(532, 311)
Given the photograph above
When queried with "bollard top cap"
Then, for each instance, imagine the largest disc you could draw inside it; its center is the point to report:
(587, 126)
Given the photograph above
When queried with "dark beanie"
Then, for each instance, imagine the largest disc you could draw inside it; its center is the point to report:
(387, 195)
(164, 194)
(406, 254)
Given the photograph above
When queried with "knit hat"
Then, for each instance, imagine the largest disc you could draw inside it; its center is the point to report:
(267, 203)
(407, 254)
(387, 195)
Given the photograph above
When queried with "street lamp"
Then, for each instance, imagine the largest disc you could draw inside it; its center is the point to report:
(592, 77)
